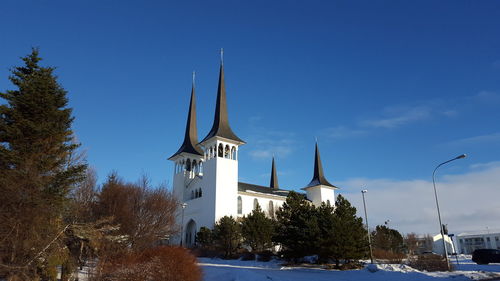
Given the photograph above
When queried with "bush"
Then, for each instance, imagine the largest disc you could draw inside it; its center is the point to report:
(265, 256)
(248, 256)
(161, 263)
(429, 263)
(388, 256)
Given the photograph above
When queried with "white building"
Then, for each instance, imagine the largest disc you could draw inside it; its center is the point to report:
(467, 242)
(437, 244)
(206, 175)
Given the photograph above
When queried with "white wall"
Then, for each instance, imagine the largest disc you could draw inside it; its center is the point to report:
(468, 243)
(437, 246)
(263, 200)
(320, 193)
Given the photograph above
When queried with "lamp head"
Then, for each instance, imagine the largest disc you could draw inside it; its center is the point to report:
(461, 156)
(364, 191)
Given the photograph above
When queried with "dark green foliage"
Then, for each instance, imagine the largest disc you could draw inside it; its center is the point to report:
(297, 227)
(387, 239)
(257, 230)
(227, 236)
(348, 241)
(326, 224)
(38, 167)
(205, 238)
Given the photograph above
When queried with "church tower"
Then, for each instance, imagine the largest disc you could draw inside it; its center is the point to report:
(319, 189)
(189, 157)
(220, 175)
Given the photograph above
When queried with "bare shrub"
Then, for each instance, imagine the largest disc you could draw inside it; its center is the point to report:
(388, 256)
(430, 262)
(161, 263)
(145, 214)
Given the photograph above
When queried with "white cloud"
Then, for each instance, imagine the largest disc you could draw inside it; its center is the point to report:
(264, 142)
(468, 202)
(495, 137)
(487, 97)
(398, 117)
(265, 149)
(341, 132)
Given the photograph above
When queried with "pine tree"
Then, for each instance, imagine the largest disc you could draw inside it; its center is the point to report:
(257, 230)
(38, 167)
(227, 235)
(297, 227)
(348, 241)
(205, 238)
(326, 224)
(387, 239)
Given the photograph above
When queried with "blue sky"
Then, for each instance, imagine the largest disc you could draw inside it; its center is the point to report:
(389, 88)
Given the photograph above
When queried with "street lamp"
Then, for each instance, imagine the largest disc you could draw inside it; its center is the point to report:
(183, 206)
(437, 205)
(367, 230)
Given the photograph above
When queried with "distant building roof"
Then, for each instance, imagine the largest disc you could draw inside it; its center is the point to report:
(261, 189)
(480, 232)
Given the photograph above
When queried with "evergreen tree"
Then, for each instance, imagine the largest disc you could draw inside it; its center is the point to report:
(257, 230)
(348, 241)
(387, 239)
(326, 223)
(227, 235)
(38, 168)
(205, 238)
(297, 227)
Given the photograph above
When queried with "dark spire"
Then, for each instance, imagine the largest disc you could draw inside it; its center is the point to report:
(221, 127)
(190, 144)
(318, 177)
(274, 178)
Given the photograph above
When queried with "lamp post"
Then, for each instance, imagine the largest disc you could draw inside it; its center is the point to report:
(367, 229)
(437, 205)
(183, 206)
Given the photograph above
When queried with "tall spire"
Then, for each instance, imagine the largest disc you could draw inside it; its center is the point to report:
(318, 177)
(221, 127)
(190, 143)
(274, 177)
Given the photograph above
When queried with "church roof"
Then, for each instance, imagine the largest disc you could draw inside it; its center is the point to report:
(318, 177)
(261, 189)
(220, 127)
(274, 178)
(190, 143)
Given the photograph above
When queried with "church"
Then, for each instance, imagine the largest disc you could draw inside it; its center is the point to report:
(206, 175)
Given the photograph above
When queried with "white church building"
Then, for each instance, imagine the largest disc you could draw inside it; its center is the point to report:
(206, 175)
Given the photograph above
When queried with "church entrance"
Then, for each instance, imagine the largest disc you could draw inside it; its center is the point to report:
(190, 233)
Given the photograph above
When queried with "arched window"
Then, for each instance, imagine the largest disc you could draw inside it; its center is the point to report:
(221, 150)
(195, 167)
(192, 194)
(233, 153)
(226, 152)
(200, 168)
(328, 202)
(271, 209)
(199, 192)
(188, 165)
(211, 153)
(240, 206)
(255, 203)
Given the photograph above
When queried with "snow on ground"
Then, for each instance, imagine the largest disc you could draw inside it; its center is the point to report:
(235, 270)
